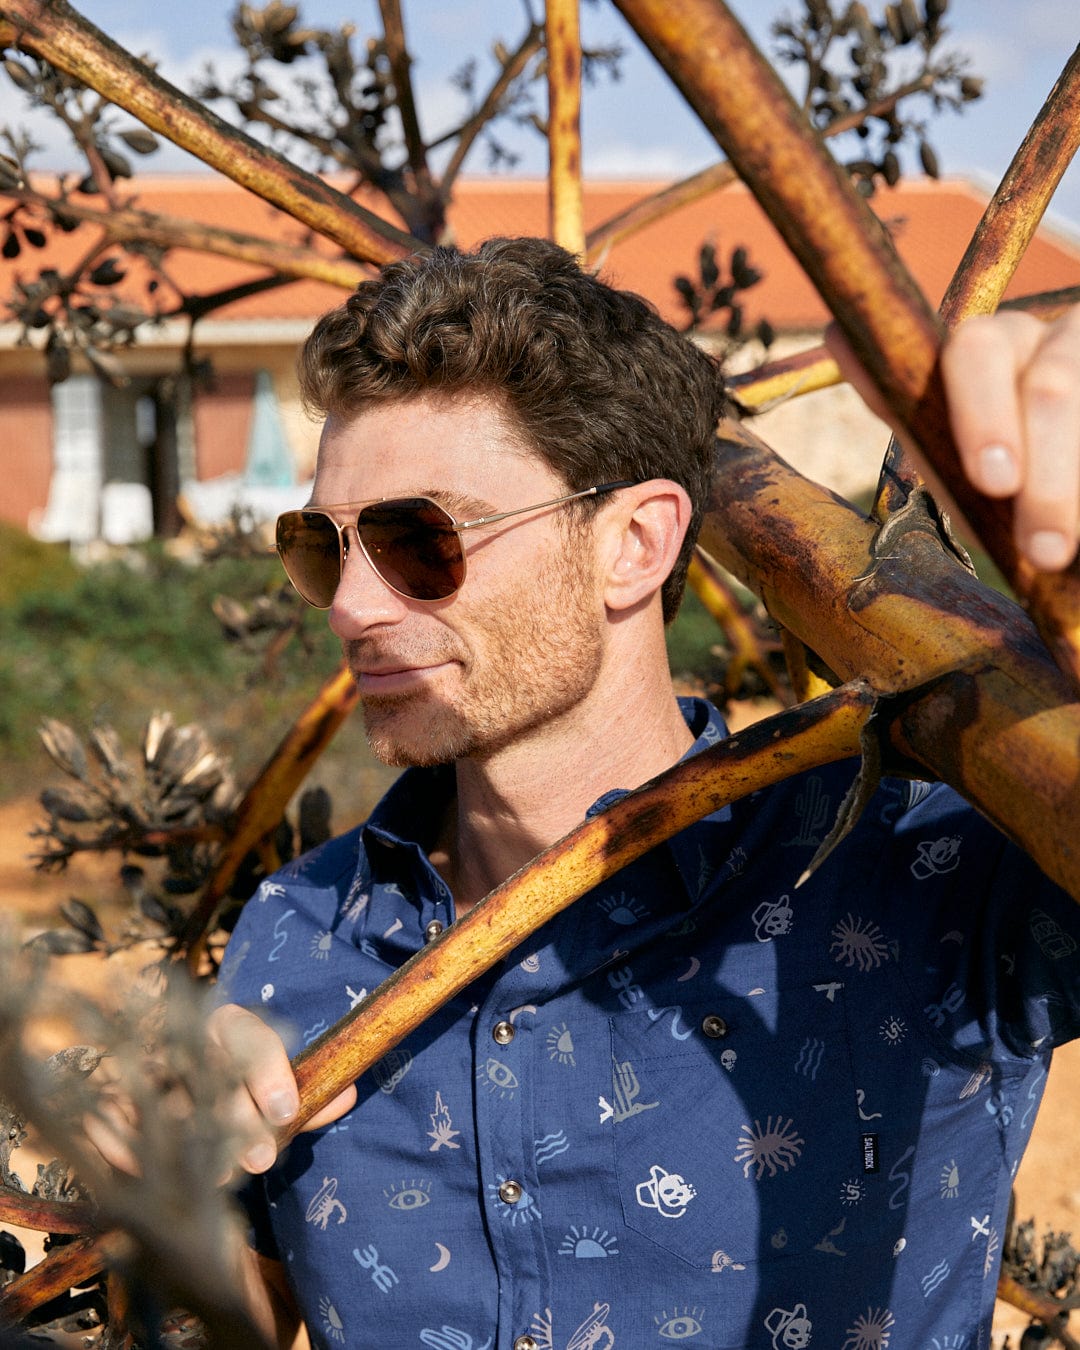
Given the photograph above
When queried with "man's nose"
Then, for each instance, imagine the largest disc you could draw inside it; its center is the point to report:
(363, 599)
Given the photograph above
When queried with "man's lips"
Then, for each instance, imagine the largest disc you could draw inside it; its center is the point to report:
(394, 678)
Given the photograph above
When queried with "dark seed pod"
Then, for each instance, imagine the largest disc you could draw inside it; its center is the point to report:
(81, 916)
(107, 273)
(63, 747)
(61, 942)
(117, 164)
(76, 804)
(106, 747)
(19, 75)
(710, 273)
(909, 19)
(140, 140)
(57, 360)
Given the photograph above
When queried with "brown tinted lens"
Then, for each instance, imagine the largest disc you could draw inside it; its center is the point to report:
(413, 546)
(310, 551)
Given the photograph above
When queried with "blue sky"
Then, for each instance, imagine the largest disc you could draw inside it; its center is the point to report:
(639, 126)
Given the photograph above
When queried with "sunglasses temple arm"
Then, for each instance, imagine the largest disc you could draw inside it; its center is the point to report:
(541, 506)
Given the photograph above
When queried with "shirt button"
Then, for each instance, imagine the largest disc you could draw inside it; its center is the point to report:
(503, 1033)
(526, 1343)
(432, 931)
(510, 1192)
(714, 1027)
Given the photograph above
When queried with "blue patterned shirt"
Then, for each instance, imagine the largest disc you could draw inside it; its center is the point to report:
(699, 1106)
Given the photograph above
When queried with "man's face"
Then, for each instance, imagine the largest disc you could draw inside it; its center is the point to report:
(518, 649)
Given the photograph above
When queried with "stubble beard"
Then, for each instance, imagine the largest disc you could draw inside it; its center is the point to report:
(536, 658)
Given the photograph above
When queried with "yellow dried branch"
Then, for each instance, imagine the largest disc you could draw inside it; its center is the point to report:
(54, 31)
(264, 803)
(565, 202)
(62, 1269)
(131, 224)
(804, 681)
(707, 582)
(775, 382)
(1000, 240)
(1037, 1305)
(716, 176)
(805, 372)
(397, 54)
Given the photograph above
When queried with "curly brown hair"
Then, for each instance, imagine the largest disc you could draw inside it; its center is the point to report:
(595, 381)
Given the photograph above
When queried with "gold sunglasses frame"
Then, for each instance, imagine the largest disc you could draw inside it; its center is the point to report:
(354, 509)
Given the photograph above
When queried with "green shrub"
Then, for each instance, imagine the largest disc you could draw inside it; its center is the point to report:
(114, 641)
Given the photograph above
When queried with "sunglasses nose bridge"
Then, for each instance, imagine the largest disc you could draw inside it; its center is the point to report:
(349, 538)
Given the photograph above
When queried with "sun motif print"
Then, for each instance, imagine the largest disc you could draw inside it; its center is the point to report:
(770, 1149)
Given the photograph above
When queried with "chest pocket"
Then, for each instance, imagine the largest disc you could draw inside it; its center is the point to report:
(735, 1127)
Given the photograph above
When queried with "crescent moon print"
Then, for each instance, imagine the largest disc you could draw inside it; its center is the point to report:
(695, 966)
(444, 1258)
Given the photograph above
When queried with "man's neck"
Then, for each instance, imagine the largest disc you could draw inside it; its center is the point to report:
(516, 803)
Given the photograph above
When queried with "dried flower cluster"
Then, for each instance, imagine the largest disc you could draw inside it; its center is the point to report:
(150, 1062)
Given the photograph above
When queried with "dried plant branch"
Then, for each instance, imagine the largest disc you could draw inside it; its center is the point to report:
(512, 66)
(805, 680)
(1038, 1305)
(131, 224)
(52, 30)
(566, 210)
(63, 1268)
(1000, 240)
(1014, 212)
(42, 1215)
(758, 390)
(401, 71)
(747, 653)
(264, 803)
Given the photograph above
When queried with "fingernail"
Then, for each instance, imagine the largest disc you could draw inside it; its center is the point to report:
(1048, 551)
(997, 469)
(259, 1157)
(280, 1108)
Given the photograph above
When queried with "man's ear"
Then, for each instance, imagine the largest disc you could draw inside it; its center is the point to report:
(642, 534)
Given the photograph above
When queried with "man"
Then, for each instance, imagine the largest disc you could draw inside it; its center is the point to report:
(698, 1105)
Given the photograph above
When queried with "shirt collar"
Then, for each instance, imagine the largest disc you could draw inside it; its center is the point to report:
(407, 816)
(692, 852)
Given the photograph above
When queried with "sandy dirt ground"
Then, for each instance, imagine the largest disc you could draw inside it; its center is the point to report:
(1047, 1185)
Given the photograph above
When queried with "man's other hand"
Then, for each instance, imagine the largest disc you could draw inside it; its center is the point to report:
(1013, 386)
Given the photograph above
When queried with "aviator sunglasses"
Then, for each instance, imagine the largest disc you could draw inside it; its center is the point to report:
(413, 543)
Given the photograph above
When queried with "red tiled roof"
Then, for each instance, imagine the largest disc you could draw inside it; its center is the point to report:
(931, 223)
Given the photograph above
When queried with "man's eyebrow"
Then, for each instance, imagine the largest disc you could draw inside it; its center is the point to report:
(460, 505)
